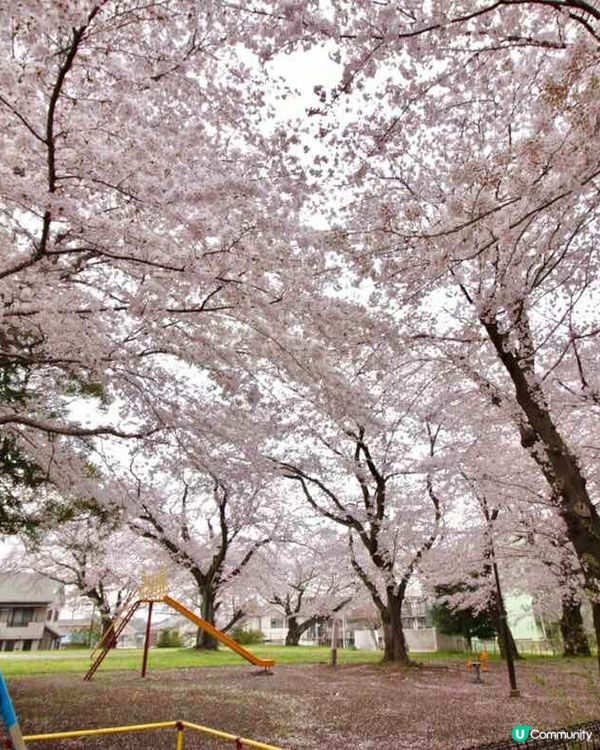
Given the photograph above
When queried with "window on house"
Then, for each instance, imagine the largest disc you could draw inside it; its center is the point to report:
(20, 617)
(277, 623)
(49, 614)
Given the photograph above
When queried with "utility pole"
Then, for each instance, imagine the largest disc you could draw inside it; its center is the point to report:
(510, 662)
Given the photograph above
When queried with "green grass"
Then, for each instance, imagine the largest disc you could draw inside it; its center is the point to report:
(169, 658)
(77, 661)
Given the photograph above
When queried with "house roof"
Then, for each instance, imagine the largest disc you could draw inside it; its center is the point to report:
(28, 588)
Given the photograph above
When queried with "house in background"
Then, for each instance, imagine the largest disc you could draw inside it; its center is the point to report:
(29, 607)
(185, 629)
(270, 621)
(359, 626)
(78, 631)
(423, 636)
(419, 631)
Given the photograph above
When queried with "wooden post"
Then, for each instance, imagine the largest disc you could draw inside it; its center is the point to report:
(334, 639)
(147, 640)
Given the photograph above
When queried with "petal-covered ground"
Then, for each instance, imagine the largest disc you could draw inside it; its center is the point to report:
(364, 707)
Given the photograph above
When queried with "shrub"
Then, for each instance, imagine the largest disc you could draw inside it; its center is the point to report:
(169, 639)
(247, 637)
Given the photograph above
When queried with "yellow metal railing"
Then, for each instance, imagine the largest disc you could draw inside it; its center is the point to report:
(179, 726)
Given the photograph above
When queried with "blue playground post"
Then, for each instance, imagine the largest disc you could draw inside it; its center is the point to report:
(10, 718)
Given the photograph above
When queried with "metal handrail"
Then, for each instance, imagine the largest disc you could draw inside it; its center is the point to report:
(180, 726)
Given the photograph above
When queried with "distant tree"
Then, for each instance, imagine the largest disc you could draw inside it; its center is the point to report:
(247, 637)
(207, 516)
(91, 553)
(465, 621)
(169, 638)
(308, 582)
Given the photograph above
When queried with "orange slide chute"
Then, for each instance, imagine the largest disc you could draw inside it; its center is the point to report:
(224, 639)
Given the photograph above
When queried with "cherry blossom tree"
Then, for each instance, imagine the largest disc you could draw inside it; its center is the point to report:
(359, 432)
(473, 145)
(91, 553)
(123, 221)
(205, 507)
(307, 581)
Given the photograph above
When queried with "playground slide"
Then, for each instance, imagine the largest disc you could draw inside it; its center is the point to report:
(224, 639)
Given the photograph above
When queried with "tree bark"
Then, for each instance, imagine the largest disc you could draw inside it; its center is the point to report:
(204, 641)
(596, 617)
(559, 465)
(394, 642)
(106, 619)
(294, 632)
(575, 642)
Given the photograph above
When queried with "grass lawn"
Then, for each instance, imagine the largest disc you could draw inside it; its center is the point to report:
(77, 660)
(21, 665)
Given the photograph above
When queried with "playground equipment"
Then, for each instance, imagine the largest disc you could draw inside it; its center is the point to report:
(9, 718)
(179, 726)
(152, 591)
(479, 665)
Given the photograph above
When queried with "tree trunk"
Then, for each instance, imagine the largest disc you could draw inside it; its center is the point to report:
(294, 632)
(106, 623)
(575, 642)
(596, 616)
(394, 643)
(204, 641)
(557, 462)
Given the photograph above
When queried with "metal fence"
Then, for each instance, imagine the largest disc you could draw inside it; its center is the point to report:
(577, 737)
(180, 727)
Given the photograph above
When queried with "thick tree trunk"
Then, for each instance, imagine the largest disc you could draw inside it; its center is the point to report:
(106, 623)
(204, 641)
(596, 616)
(394, 643)
(575, 642)
(294, 632)
(557, 462)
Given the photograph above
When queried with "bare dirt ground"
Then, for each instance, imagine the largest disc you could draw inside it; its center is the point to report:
(366, 707)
